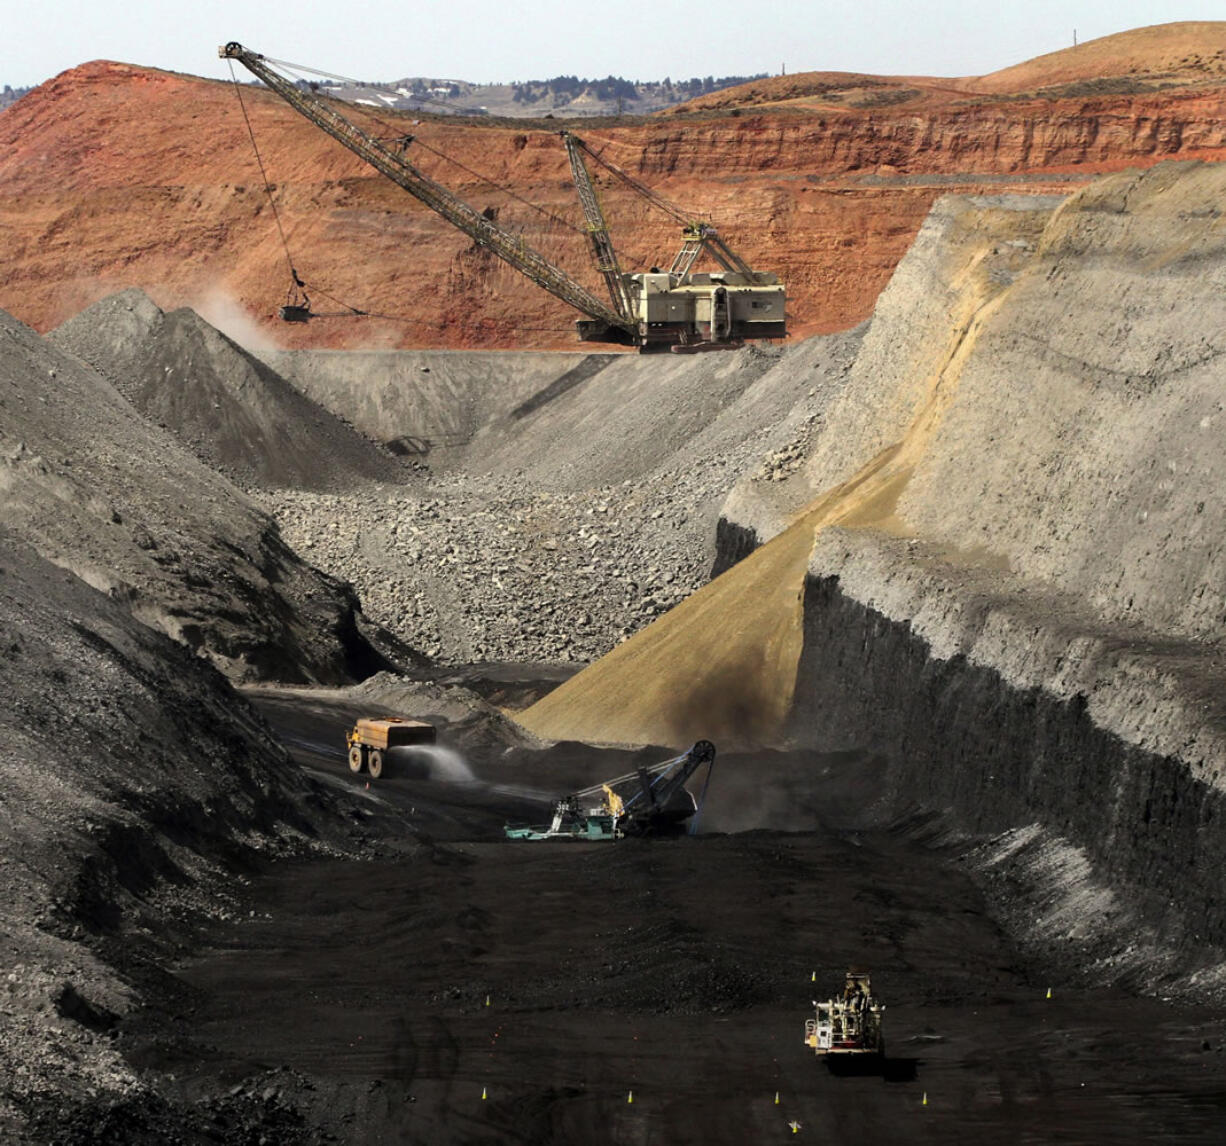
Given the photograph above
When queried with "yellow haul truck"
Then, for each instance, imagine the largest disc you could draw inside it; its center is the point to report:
(370, 739)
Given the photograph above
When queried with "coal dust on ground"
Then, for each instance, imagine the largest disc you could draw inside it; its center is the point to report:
(477, 989)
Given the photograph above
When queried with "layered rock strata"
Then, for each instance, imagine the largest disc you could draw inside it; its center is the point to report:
(116, 176)
(1001, 557)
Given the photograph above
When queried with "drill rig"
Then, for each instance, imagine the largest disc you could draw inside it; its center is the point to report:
(676, 309)
(647, 801)
(848, 1027)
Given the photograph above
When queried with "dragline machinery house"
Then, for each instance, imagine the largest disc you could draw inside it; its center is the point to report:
(677, 308)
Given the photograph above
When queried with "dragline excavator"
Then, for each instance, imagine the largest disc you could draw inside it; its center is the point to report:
(648, 801)
(677, 308)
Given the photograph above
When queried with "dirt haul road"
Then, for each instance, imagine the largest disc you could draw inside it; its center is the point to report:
(350, 997)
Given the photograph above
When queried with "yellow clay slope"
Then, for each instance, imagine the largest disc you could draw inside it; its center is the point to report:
(722, 664)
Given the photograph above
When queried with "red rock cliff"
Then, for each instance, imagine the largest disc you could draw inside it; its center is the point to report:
(114, 176)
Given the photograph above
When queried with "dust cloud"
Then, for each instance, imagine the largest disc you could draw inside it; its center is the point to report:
(794, 791)
(228, 315)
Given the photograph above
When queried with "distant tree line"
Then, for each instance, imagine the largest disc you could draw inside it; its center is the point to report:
(424, 87)
(542, 95)
(567, 88)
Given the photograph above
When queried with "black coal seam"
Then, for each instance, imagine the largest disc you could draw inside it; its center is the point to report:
(733, 543)
(961, 737)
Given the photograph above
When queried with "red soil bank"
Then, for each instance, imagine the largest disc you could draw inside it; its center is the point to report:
(114, 176)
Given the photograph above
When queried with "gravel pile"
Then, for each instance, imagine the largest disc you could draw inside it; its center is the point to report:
(781, 464)
(513, 574)
(584, 507)
(499, 564)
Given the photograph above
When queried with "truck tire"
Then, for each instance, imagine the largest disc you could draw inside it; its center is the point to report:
(374, 762)
(357, 757)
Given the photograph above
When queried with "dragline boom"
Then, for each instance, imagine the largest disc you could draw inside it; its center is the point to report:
(603, 253)
(507, 246)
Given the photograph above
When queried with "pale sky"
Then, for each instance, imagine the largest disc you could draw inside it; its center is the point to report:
(497, 40)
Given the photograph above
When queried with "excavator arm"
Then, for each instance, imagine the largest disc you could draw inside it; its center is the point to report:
(660, 783)
(438, 198)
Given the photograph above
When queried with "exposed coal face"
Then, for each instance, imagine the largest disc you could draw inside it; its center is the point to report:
(733, 543)
(959, 736)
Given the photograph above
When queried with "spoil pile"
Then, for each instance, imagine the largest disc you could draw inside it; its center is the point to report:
(430, 403)
(969, 252)
(1057, 405)
(1037, 400)
(96, 489)
(226, 406)
(574, 517)
(133, 780)
(722, 665)
(725, 665)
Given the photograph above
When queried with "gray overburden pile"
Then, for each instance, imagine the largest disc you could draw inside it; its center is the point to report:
(981, 542)
(94, 487)
(229, 409)
(573, 498)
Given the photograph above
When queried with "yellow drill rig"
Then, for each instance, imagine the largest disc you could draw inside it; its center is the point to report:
(849, 1026)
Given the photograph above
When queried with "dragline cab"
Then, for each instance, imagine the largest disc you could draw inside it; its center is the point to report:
(721, 307)
(677, 307)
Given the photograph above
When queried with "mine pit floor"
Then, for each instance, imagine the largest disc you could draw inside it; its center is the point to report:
(479, 990)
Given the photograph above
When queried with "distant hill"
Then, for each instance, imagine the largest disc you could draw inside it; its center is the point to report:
(10, 95)
(562, 96)
(1184, 55)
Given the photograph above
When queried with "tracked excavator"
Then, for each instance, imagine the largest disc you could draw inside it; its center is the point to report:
(648, 801)
(678, 309)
